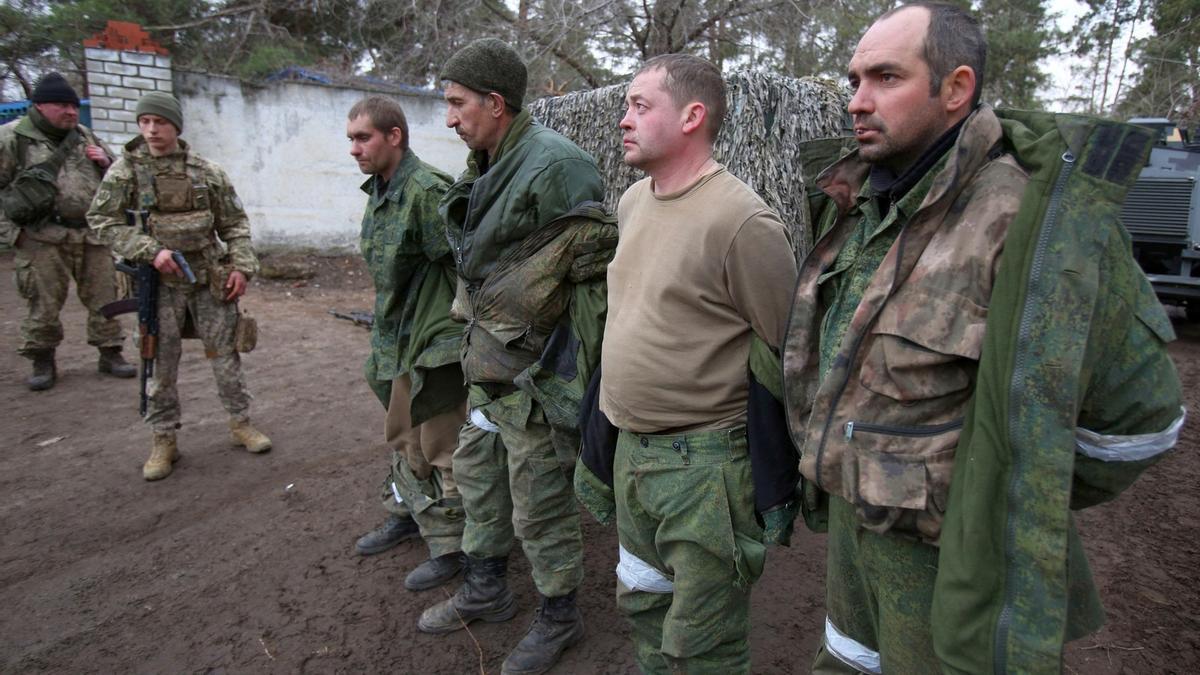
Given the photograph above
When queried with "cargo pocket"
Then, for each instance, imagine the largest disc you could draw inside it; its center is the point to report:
(925, 346)
(188, 232)
(26, 281)
(905, 493)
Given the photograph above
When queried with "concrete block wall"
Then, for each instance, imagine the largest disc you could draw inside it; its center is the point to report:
(123, 63)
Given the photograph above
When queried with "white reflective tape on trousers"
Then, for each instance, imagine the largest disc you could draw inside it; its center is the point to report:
(850, 651)
(1128, 448)
(480, 420)
(637, 575)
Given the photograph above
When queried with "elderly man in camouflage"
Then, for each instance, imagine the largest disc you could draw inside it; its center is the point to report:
(413, 365)
(522, 182)
(191, 203)
(971, 354)
(702, 268)
(56, 246)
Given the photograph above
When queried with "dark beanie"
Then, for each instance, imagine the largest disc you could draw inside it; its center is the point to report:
(53, 88)
(488, 65)
(162, 104)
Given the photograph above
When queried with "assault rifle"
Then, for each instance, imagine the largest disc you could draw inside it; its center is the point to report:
(145, 303)
(364, 319)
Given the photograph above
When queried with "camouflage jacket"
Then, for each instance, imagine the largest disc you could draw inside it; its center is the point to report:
(78, 180)
(404, 243)
(191, 202)
(1054, 384)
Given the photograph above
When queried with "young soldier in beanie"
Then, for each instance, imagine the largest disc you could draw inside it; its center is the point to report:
(521, 178)
(55, 246)
(191, 204)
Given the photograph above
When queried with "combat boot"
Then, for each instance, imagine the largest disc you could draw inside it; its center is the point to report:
(483, 596)
(393, 531)
(434, 572)
(163, 456)
(556, 626)
(45, 372)
(241, 433)
(112, 363)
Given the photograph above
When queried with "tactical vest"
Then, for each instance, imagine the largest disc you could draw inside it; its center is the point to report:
(180, 206)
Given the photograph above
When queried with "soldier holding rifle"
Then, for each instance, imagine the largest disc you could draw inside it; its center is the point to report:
(193, 210)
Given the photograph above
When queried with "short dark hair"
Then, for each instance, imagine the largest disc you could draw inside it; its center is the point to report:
(385, 114)
(691, 78)
(953, 39)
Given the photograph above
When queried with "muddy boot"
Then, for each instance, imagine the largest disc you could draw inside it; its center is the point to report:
(45, 373)
(434, 572)
(393, 531)
(484, 596)
(241, 433)
(163, 456)
(556, 626)
(112, 363)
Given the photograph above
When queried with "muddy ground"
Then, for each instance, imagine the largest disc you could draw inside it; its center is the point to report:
(240, 563)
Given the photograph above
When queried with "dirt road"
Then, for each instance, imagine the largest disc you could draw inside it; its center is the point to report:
(240, 563)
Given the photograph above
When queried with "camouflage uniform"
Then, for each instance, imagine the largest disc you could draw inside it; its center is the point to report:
(191, 203)
(61, 248)
(536, 177)
(899, 358)
(413, 365)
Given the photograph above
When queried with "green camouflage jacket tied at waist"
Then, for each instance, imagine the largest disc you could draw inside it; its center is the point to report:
(404, 243)
(537, 321)
(1056, 382)
(191, 202)
(78, 179)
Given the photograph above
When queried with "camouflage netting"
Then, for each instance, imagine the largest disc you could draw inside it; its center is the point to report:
(769, 115)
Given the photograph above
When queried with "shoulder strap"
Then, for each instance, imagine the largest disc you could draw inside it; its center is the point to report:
(66, 145)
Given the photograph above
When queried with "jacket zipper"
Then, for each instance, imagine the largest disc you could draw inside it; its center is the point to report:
(920, 431)
(1004, 623)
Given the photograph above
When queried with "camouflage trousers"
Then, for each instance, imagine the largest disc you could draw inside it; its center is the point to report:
(512, 484)
(420, 483)
(215, 322)
(878, 595)
(43, 274)
(691, 549)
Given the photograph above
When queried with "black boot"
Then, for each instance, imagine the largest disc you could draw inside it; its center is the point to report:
(556, 626)
(393, 531)
(45, 373)
(434, 572)
(484, 596)
(112, 363)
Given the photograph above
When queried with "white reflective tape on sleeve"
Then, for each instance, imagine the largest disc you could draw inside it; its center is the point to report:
(850, 651)
(1128, 448)
(480, 420)
(639, 576)
(396, 492)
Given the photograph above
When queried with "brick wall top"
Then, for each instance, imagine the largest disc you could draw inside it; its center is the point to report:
(124, 36)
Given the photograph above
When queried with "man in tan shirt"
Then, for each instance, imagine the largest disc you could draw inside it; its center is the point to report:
(702, 267)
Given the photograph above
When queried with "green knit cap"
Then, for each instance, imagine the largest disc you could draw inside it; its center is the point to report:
(488, 65)
(162, 104)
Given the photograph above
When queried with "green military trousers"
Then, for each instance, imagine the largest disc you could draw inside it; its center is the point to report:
(215, 322)
(878, 595)
(44, 272)
(420, 481)
(690, 549)
(512, 484)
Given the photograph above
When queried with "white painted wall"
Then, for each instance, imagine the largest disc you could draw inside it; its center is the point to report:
(284, 145)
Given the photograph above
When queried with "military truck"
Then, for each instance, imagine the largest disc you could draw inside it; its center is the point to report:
(1162, 215)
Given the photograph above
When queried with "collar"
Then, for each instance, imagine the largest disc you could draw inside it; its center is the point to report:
(391, 189)
(479, 161)
(43, 125)
(889, 188)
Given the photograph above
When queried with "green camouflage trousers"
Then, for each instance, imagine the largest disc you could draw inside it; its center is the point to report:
(690, 549)
(420, 482)
(44, 272)
(513, 484)
(878, 595)
(215, 322)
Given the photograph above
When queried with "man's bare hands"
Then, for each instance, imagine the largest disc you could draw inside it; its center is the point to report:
(163, 262)
(97, 155)
(236, 286)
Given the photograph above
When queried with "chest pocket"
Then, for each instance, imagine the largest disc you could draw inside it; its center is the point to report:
(182, 219)
(925, 345)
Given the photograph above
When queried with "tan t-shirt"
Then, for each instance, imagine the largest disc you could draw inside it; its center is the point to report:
(694, 273)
